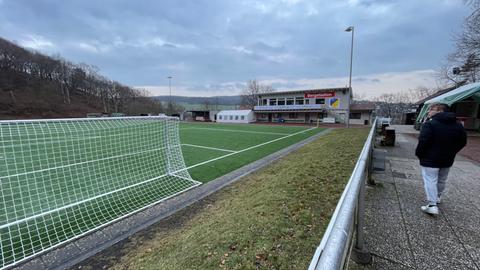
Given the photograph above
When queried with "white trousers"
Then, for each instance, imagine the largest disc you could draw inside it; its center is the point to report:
(434, 181)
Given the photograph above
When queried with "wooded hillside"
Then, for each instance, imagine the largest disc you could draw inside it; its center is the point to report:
(33, 85)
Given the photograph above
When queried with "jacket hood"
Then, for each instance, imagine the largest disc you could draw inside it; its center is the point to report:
(445, 117)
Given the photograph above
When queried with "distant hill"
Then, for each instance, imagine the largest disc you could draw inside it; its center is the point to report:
(220, 100)
(204, 103)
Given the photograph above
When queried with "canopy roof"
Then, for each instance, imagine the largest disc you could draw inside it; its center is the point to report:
(451, 97)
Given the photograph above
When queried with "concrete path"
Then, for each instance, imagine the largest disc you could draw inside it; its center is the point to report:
(401, 236)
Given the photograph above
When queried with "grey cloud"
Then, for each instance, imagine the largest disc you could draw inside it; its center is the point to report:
(281, 40)
(365, 79)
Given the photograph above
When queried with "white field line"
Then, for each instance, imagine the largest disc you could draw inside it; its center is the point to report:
(243, 131)
(206, 147)
(89, 199)
(49, 140)
(243, 150)
(80, 163)
(185, 178)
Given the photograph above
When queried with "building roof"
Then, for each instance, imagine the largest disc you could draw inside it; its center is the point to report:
(305, 91)
(461, 93)
(457, 94)
(362, 107)
(234, 112)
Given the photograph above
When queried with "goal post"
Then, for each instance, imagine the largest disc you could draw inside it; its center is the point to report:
(63, 178)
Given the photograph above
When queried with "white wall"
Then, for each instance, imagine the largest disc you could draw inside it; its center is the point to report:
(235, 117)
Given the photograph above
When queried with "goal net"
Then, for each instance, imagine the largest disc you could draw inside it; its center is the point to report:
(61, 179)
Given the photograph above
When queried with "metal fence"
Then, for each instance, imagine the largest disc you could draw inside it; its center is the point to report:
(348, 218)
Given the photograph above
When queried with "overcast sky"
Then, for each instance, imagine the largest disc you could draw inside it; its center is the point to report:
(212, 47)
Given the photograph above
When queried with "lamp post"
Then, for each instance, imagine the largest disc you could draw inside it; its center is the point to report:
(350, 29)
(170, 105)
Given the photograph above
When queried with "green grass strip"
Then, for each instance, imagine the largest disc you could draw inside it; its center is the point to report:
(272, 219)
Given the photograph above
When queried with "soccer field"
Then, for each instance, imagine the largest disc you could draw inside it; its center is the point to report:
(212, 150)
(60, 180)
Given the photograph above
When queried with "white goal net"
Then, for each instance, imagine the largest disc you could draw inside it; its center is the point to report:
(61, 179)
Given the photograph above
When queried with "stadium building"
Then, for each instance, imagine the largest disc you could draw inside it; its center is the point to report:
(303, 106)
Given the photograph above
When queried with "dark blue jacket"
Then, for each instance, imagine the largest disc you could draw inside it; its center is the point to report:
(440, 140)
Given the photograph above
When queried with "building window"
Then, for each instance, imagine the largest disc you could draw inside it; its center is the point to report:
(281, 101)
(289, 101)
(236, 117)
(319, 101)
(219, 117)
(355, 115)
(242, 117)
(299, 101)
(231, 117)
(292, 115)
(264, 101)
(273, 102)
(307, 101)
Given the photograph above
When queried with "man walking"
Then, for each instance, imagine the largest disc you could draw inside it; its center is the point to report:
(440, 140)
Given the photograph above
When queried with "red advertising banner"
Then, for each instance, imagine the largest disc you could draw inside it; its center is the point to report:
(320, 94)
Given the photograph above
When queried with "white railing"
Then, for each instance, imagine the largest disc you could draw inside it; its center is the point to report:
(333, 251)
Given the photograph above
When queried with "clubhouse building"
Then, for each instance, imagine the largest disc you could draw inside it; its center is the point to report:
(303, 106)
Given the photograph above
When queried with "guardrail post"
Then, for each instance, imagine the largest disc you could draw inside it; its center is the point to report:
(360, 253)
(370, 180)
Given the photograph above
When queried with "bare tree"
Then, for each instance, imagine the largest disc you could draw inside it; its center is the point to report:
(463, 65)
(252, 91)
(35, 79)
(386, 101)
(359, 97)
(206, 105)
(420, 93)
(395, 105)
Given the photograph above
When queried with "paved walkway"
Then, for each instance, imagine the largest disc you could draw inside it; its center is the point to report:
(401, 236)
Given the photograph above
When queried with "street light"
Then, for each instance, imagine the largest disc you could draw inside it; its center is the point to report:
(350, 29)
(170, 99)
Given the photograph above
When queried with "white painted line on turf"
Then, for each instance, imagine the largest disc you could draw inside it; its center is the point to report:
(243, 131)
(206, 147)
(243, 150)
(188, 179)
(89, 199)
(28, 143)
(84, 162)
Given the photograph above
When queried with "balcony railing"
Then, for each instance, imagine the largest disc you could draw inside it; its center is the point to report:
(289, 107)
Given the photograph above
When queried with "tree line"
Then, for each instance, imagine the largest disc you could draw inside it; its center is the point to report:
(25, 72)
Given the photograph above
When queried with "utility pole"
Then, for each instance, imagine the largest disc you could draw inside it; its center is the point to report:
(170, 105)
(350, 29)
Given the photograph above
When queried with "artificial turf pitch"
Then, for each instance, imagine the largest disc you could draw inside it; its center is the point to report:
(234, 138)
(209, 150)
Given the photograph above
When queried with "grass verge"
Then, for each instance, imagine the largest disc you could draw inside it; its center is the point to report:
(272, 219)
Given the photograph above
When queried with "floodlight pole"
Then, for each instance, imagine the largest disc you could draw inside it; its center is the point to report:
(350, 29)
(170, 99)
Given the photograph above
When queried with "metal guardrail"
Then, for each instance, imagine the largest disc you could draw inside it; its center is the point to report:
(348, 218)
